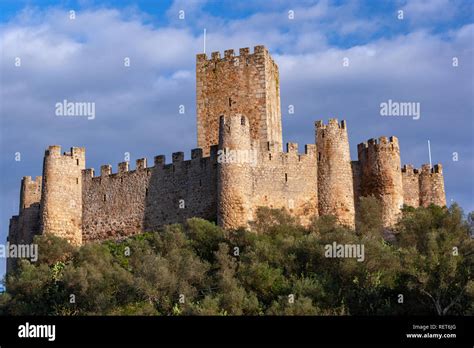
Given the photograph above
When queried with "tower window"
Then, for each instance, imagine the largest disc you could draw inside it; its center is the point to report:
(270, 156)
(319, 156)
(77, 181)
(230, 102)
(77, 161)
(286, 177)
(105, 198)
(146, 192)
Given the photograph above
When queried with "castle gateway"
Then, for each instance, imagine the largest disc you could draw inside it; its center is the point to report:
(238, 112)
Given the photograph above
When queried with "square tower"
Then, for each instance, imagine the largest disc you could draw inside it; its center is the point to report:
(246, 84)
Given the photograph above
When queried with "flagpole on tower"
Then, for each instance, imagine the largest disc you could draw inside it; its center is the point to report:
(204, 40)
(429, 152)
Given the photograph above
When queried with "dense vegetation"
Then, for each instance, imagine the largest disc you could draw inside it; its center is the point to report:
(278, 269)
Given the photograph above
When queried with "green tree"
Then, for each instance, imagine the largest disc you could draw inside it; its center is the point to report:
(437, 256)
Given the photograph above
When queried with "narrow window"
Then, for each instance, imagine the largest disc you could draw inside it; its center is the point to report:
(77, 161)
(200, 183)
(230, 102)
(286, 177)
(77, 181)
(319, 156)
(146, 192)
(105, 198)
(270, 156)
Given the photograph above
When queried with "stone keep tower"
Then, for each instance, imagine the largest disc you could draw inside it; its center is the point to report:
(234, 179)
(61, 201)
(381, 175)
(247, 84)
(335, 185)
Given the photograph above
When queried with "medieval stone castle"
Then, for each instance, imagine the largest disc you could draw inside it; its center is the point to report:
(239, 165)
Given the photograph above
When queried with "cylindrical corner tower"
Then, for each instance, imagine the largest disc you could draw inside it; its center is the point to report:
(234, 183)
(382, 176)
(61, 200)
(335, 185)
(432, 185)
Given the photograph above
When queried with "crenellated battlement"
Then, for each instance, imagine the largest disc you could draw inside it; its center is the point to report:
(74, 152)
(288, 157)
(375, 145)
(29, 180)
(333, 123)
(229, 55)
(426, 169)
(123, 168)
(409, 169)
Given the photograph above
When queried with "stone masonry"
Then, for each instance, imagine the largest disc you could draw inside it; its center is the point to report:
(238, 167)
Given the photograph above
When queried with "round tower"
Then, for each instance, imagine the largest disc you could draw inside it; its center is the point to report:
(234, 183)
(432, 185)
(30, 196)
(382, 176)
(335, 185)
(61, 200)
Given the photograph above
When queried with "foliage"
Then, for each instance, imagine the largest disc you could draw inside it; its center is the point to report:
(279, 268)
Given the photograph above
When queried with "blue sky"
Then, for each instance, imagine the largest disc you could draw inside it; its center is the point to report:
(137, 107)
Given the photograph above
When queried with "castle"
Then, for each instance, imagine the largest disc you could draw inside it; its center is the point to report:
(239, 165)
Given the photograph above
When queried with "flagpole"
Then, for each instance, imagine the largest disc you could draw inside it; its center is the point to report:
(429, 152)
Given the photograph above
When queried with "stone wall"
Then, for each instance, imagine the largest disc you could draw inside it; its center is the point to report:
(262, 178)
(130, 202)
(287, 180)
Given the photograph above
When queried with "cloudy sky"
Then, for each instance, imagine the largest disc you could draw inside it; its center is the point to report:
(80, 57)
